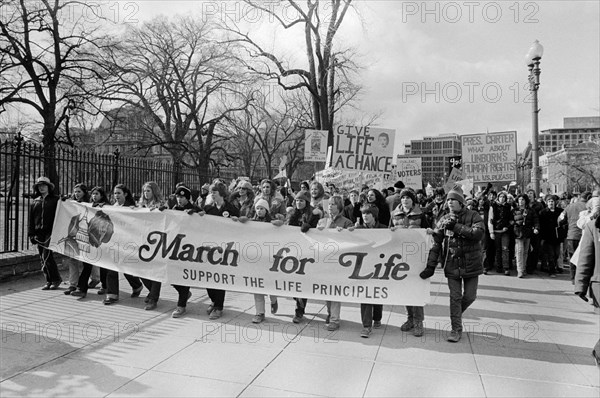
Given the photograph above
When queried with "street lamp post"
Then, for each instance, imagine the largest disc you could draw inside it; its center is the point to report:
(533, 58)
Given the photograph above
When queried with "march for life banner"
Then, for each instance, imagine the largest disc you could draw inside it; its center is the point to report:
(363, 148)
(376, 266)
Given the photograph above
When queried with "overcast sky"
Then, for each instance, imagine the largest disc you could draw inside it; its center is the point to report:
(440, 67)
(453, 67)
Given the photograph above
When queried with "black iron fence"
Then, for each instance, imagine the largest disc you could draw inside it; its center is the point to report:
(21, 163)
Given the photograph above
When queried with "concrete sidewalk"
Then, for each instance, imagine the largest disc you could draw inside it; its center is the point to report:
(525, 337)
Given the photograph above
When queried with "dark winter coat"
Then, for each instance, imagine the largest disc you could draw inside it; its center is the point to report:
(213, 210)
(461, 251)
(549, 225)
(525, 221)
(41, 216)
(500, 216)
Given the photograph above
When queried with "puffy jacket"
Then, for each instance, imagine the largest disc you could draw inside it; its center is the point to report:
(462, 251)
(41, 216)
(414, 218)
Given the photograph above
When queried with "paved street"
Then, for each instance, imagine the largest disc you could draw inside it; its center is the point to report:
(526, 337)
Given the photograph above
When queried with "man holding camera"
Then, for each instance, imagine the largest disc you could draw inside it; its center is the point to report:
(458, 238)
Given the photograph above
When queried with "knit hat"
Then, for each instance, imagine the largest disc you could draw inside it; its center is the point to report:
(399, 185)
(303, 195)
(184, 191)
(261, 203)
(456, 193)
(410, 194)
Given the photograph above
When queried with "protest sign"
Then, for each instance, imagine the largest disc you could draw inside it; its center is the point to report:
(363, 148)
(345, 179)
(409, 170)
(376, 266)
(456, 175)
(490, 157)
(315, 145)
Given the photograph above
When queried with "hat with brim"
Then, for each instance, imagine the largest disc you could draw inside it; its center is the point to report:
(43, 180)
(184, 191)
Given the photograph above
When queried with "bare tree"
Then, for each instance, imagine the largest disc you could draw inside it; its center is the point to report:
(330, 77)
(44, 63)
(580, 165)
(179, 75)
(273, 126)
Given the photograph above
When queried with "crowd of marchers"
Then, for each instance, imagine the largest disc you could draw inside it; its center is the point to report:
(473, 235)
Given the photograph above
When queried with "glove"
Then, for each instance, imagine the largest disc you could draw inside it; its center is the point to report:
(33, 240)
(450, 224)
(277, 223)
(305, 227)
(427, 273)
(162, 208)
(243, 219)
(64, 197)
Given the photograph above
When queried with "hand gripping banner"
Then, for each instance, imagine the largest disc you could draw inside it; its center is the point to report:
(376, 266)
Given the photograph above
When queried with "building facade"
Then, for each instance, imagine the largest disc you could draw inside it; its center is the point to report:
(435, 153)
(575, 131)
(571, 169)
(129, 131)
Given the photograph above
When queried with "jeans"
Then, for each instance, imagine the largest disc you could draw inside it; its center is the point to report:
(82, 282)
(552, 254)
(334, 308)
(489, 252)
(47, 259)
(112, 283)
(415, 314)
(300, 306)
(184, 295)
(75, 268)
(370, 313)
(521, 252)
(502, 251)
(461, 299)
(572, 245)
(153, 287)
(259, 302)
(217, 297)
(532, 259)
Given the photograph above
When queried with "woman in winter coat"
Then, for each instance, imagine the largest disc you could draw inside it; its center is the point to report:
(122, 198)
(80, 194)
(305, 217)
(549, 233)
(409, 215)
(152, 198)
(41, 220)
(526, 224)
(183, 197)
(219, 207)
